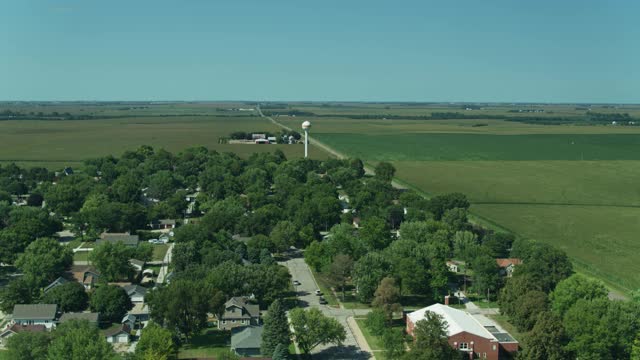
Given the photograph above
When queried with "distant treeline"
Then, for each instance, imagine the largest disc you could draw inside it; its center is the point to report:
(590, 117)
(16, 115)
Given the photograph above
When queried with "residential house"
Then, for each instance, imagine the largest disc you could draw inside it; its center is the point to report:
(85, 275)
(125, 238)
(246, 341)
(57, 282)
(120, 334)
(91, 317)
(466, 334)
(238, 312)
(137, 264)
(507, 266)
(258, 136)
(136, 293)
(16, 328)
(35, 314)
(163, 224)
(130, 320)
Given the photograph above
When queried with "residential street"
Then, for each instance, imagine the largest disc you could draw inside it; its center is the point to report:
(355, 346)
(165, 265)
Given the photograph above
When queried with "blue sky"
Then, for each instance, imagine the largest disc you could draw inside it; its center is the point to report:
(463, 50)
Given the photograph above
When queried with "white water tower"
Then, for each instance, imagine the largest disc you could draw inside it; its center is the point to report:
(305, 126)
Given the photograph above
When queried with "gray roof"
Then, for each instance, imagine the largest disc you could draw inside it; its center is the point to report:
(132, 289)
(115, 237)
(247, 311)
(249, 337)
(90, 317)
(35, 311)
(55, 283)
(167, 222)
(137, 262)
(124, 328)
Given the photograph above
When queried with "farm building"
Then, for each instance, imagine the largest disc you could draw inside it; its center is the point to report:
(466, 334)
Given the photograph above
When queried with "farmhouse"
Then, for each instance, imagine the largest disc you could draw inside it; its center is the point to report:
(126, 238)
(35, 314)
(507, 266)
(246, 341)
(237, 312)
(466, 334)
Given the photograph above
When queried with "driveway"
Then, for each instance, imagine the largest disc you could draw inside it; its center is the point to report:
(354, 347)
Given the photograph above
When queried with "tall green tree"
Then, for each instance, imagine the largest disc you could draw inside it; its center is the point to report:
(375, 232)
(70, 297)
(182, 306)
(340, 271)
(547, 339)
(385, 171)
(281, 352)
(156, 343)
(79, 340)
(574, 288)
(28, 345)
(431, 340)
(387, 297)
(393, 343)
(43, 261)
(312, 328)
(112, 302)
(276, 329)
(112, 260)
(18, 291)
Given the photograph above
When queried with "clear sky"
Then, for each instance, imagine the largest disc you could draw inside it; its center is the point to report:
(458, 50)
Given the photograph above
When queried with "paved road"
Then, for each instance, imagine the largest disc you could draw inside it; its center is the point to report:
(165, 267)
(354, 347)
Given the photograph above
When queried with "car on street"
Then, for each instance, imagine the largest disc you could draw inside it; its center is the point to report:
(318, 292)
(323, 301)
(296, 282)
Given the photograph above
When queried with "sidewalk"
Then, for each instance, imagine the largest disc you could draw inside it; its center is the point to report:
(360, 339)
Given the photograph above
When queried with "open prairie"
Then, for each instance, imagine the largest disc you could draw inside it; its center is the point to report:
(572, 185)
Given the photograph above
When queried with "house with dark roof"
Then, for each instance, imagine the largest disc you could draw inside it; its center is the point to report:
(85, 275)
(57, 282)
(163, 224)
(35, 314)
(125, 238)
(238, 312)
(16, 328)
(120, 334)
(136, 293)
(91, 317)
(130, 320)
(246, 341)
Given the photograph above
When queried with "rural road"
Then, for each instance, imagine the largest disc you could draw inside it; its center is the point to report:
(355, 346)
(368, 169)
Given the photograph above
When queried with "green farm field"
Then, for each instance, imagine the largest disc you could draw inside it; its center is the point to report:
(67, 142)
(572, 186)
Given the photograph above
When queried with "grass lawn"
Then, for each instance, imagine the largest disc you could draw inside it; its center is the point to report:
(211, 342)
(482, 303)
(375, 342)
(81, 256)
(503, 321)
(159, 251)
(4, 355)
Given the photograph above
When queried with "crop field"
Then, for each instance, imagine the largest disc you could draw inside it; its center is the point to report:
(573, 185)
(55, 143)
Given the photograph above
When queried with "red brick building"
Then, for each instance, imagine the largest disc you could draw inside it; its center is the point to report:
(467, 334)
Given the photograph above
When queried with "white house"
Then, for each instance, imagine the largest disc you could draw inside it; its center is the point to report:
(35, 314)
(136, 293)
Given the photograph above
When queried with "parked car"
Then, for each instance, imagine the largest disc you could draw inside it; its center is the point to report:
(296, 282)
(153, 241)
(318, 292)
(323, 301)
